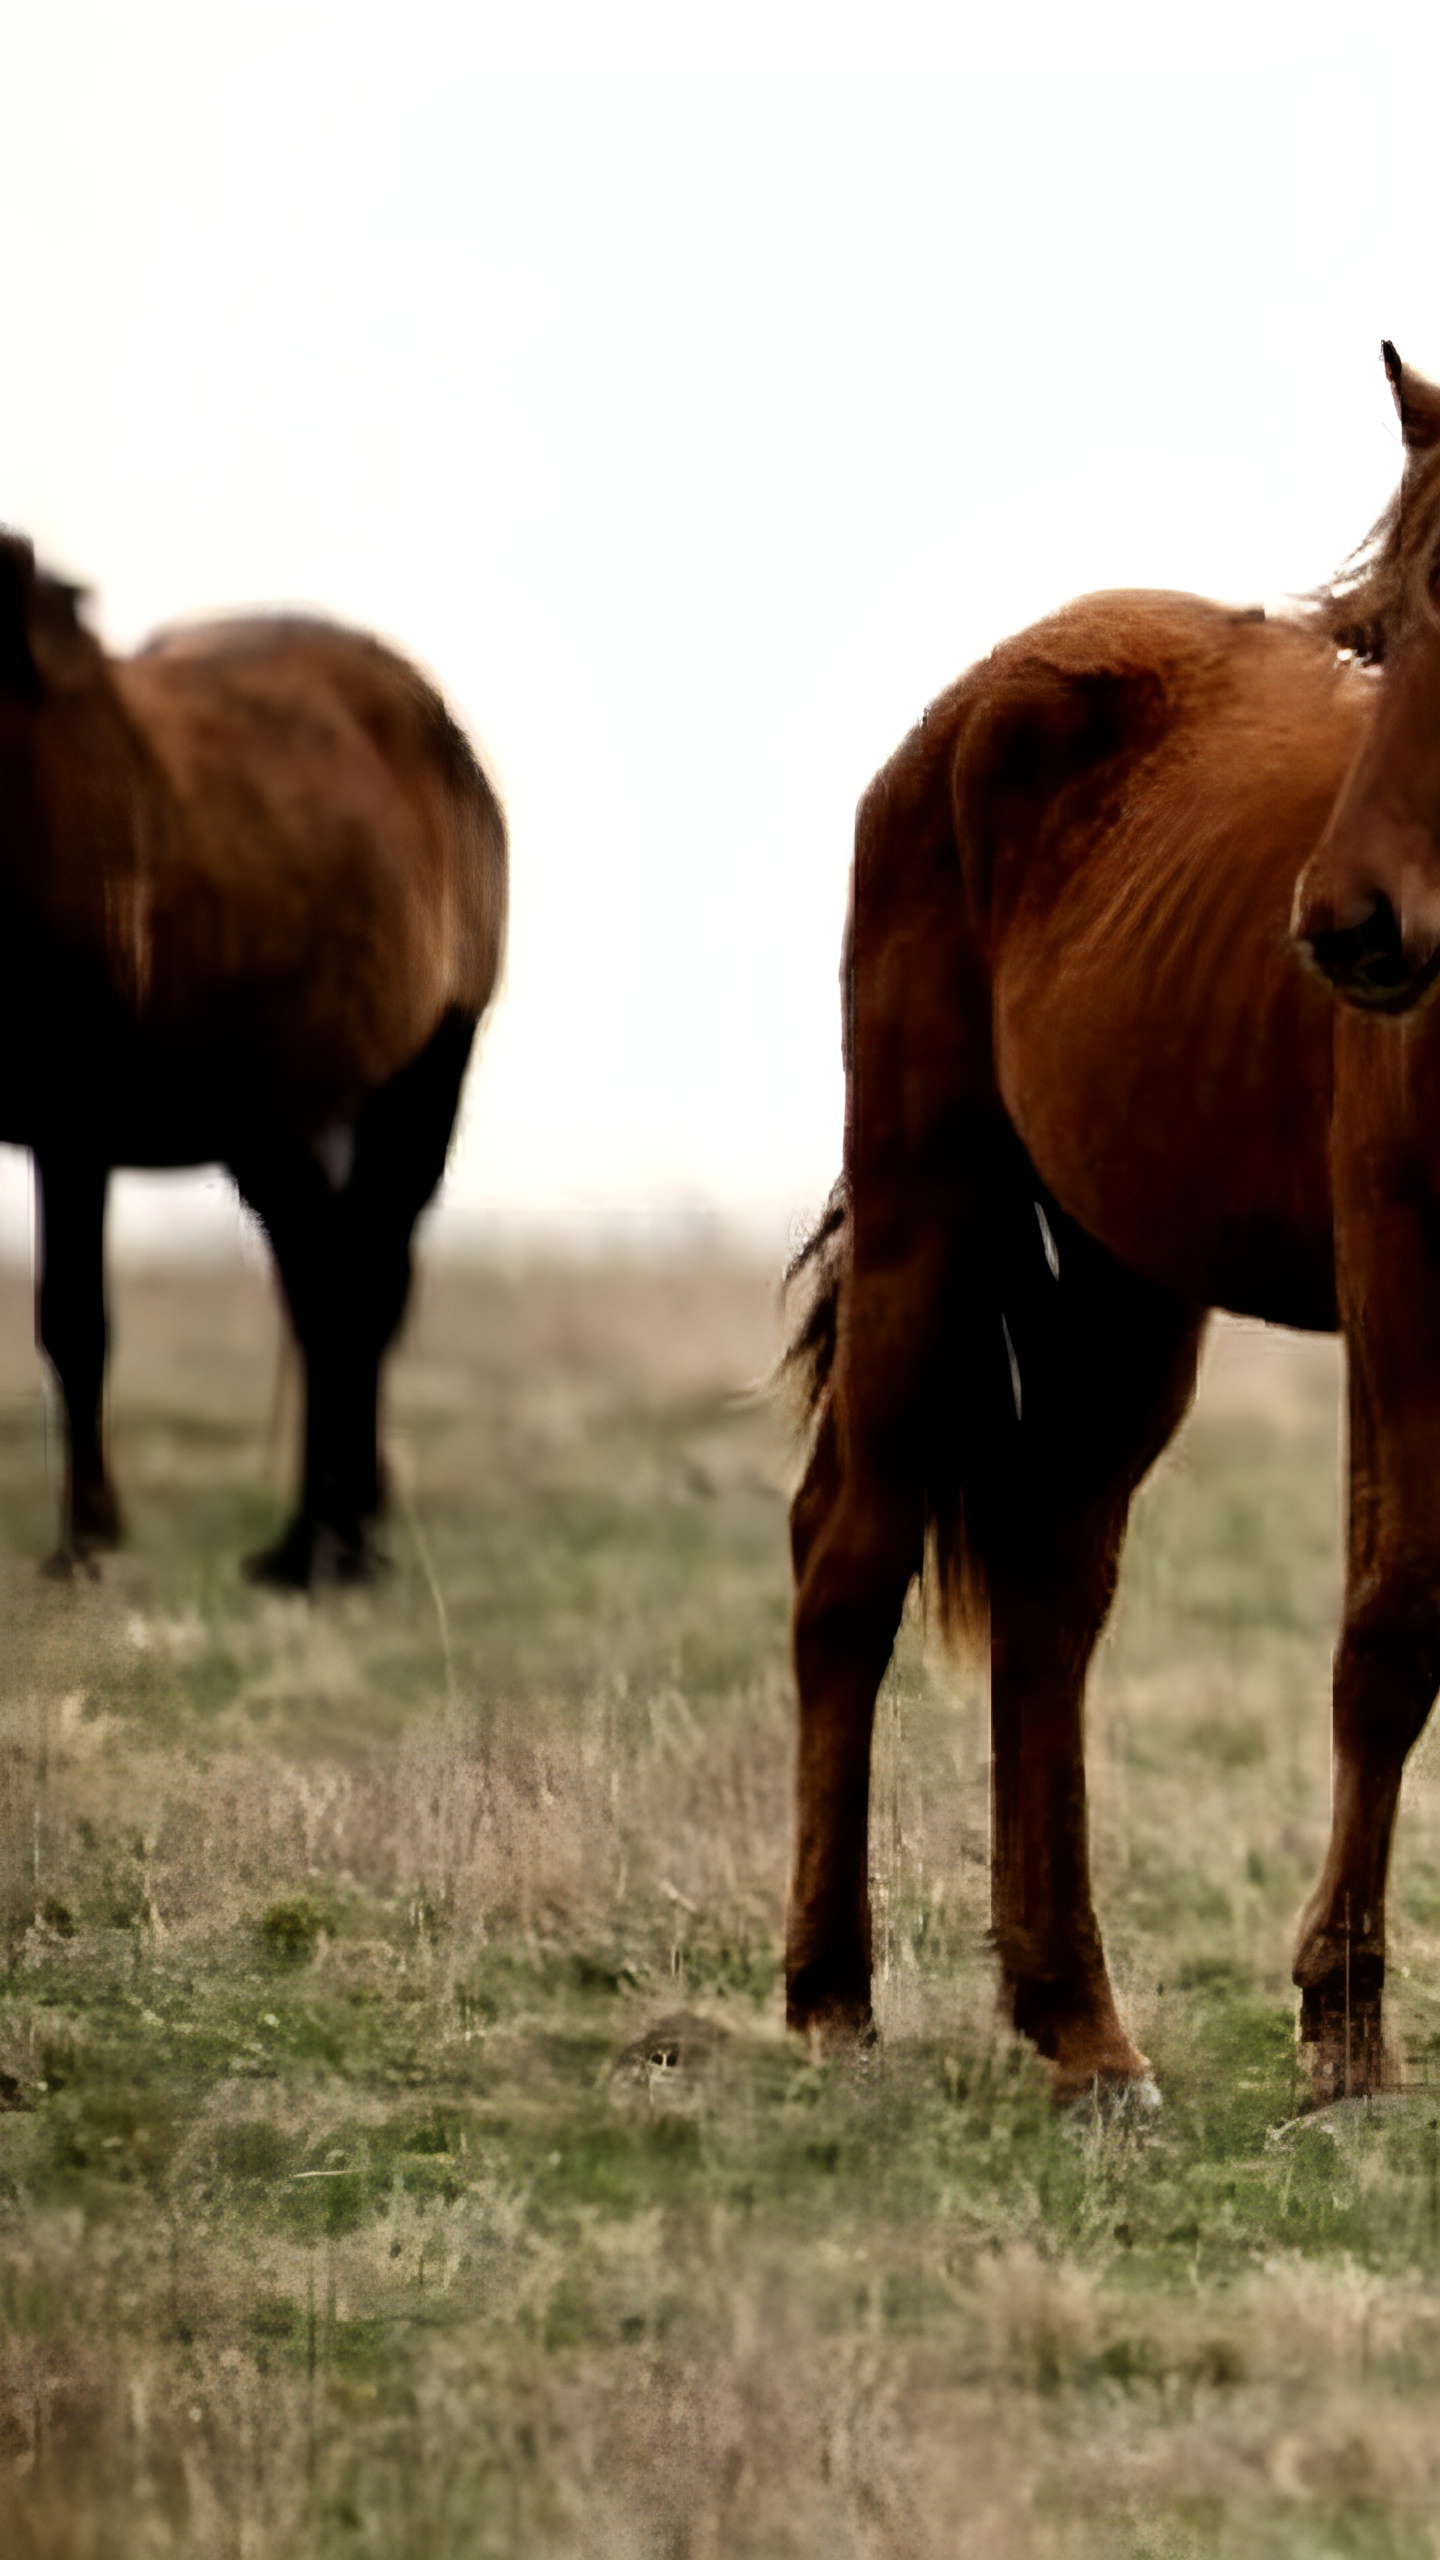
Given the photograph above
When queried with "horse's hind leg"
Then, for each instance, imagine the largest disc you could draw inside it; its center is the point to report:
(857, 1546)
(284, 1183)
(857, 1536)
(344, 1255)
(1129, 1366)
(1046, 1613)
(73, 1332)
(401, 1142)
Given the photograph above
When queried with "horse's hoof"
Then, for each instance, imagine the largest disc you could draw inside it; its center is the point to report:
(287, 1565)
(312, 1556)
(1108, 2097)
(347, 1560)
(834, 2028)
(68, 1560)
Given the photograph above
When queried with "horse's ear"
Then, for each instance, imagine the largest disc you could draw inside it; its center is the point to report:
(1417, 401)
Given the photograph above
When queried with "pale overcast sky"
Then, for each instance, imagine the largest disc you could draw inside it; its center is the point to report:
(696, 393)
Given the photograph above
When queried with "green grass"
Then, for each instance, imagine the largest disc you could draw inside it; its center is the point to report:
(400, 2153)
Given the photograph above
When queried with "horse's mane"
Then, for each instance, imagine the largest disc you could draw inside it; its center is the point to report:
(1360, 605)
(1357, 606)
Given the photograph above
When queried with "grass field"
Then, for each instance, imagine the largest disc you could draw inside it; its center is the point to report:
(400, 2155)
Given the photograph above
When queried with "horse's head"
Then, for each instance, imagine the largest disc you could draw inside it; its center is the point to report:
(45, 649)
(51, 675)
(1367, 905)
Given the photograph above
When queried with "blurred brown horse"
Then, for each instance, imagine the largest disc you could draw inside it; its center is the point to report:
(252, 903)
(1093, 1093)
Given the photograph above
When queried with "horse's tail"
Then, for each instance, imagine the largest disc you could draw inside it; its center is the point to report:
(808, 1361)
(962, 1438)
(993, 1432)
(480, 860)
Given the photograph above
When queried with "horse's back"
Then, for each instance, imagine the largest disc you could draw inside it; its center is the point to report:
(1103, 823)
(328, 859)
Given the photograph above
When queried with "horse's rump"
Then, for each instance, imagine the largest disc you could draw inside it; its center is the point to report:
(325, 866)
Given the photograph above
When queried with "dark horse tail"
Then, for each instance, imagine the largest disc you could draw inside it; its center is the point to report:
(819, 1264)
(994, 1439)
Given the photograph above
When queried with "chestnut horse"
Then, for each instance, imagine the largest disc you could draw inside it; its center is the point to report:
(252, 902)
(1092, 1093)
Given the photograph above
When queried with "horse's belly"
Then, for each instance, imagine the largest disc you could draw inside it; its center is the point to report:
(1191, 1143)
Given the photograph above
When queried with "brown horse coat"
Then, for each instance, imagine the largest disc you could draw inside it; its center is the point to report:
(252, 904)
(1091, 1094)
(285, 828)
